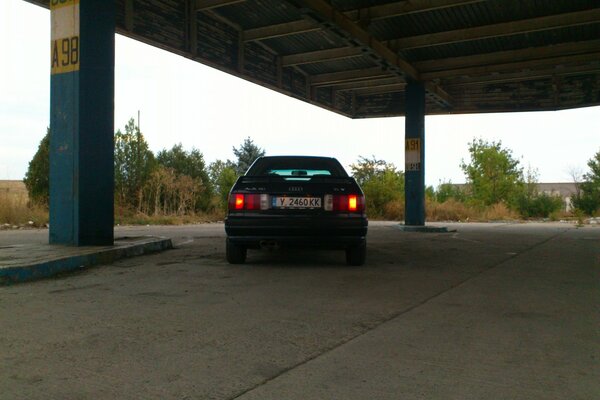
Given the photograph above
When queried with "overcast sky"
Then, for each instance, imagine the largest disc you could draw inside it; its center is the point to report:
(187, 102)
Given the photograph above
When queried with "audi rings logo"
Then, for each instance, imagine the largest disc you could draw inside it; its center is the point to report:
(295, 188)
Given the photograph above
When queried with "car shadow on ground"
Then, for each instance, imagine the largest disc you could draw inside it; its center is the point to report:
(304, 258)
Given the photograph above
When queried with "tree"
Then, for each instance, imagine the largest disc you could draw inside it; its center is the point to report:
(247, 153)
(588, 199)
(191, 164)
(37, 178)
(493, 174)
(368, 168)
(576, 174)
(134, 163)
(157, 190)
(168, 193)
(223, 176)
(381, 182)
(531, 203)
(429, 192)
(447, 190)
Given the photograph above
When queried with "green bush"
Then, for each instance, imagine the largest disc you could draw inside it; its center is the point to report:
(134, 163)
(189, 164)
(588, 198)
(447, 190)
(382, 184)
(37, 178)
(494, 175)
(383, 189)
(539, 206)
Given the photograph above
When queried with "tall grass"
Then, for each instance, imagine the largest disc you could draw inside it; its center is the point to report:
(14, 210)
(449, 210)
(499, 212)
(127, 216)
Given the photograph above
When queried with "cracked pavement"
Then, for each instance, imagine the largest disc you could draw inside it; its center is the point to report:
(506, 311)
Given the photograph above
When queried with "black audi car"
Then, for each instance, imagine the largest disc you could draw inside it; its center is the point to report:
(296, 201)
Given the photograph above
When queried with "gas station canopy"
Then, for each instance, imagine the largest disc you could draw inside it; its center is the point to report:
(355, 57)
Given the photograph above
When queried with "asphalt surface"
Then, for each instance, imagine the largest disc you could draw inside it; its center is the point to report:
(499, 311)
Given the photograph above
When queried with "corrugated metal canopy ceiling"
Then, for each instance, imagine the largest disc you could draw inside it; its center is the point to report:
(354, 57)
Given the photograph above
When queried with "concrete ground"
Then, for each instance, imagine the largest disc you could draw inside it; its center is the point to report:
(498, 311)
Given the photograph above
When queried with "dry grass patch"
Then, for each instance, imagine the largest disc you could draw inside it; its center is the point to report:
(128, 217)
(394, 211)
(14, 209)
(13, 188)
(450, 210)
(499, 212)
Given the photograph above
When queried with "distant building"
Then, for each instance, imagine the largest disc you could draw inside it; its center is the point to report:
(566, 190)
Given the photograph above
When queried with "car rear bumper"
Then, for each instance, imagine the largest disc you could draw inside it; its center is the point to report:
(301, 231)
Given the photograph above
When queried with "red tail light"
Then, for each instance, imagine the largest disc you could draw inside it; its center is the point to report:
(345, 202)
(252, 201)
(352, 202)
(238, 201)
(340, 202)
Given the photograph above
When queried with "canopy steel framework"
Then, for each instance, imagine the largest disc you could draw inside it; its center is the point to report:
(354, 57)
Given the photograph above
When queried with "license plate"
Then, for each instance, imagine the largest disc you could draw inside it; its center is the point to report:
(297, 202)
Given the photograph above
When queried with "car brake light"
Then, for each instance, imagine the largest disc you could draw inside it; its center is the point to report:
(238, 201)
(344, 203)
(352, 203)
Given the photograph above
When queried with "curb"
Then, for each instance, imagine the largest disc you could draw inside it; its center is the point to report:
(46, 269)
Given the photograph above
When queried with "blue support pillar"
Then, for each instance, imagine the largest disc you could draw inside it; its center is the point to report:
(414, 152)
(82, 122)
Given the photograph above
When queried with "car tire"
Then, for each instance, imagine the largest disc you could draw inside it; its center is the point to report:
(236, 254)
(356, 255)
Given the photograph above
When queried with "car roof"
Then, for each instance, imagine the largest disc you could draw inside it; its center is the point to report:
(300, 156)
(325, 162)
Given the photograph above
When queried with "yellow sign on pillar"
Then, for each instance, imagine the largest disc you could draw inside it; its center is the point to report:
(65, 43)
(412, 155)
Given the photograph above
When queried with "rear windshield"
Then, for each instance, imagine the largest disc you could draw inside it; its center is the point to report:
(297, 168)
